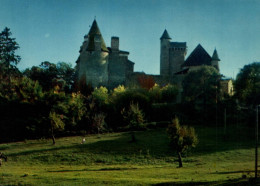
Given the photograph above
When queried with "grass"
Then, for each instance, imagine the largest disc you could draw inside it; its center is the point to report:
(112, 159)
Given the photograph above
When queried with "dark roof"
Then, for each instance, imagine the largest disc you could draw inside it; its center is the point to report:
(165, 35)
(94, 30)
(199, 56)
(215, 56)
(131, 62)
(183, 71)
(120, 51)
(178, 44)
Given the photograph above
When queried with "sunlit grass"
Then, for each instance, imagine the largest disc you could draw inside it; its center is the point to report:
(113, 159)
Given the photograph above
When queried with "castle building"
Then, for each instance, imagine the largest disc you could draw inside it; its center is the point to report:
(98, 65)
(172, 58)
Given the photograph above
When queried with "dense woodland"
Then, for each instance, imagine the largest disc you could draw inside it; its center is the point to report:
(46, 100)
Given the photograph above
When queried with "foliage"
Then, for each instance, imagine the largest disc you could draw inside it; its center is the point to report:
(169, 93)
(155, 94)
(133, 117)
(182, 138)
(201, 93)
(51, 75)
(247, 84)
(100, 95)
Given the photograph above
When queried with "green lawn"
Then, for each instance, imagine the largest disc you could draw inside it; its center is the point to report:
(113, 159)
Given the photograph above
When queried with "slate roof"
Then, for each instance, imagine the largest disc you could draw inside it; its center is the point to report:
(120, 51)
(165, 35)
(215, 56)
(199, 56)
(94, 30)
(178, 45)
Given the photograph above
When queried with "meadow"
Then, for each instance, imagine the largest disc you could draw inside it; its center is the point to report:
(112, 159)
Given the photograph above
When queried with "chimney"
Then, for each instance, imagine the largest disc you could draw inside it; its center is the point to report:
(115, 43)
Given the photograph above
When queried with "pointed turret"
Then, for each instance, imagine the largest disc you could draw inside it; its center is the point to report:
(165, 35)
(94, 32)
(164, 57)
(215, 56)
(215, 59)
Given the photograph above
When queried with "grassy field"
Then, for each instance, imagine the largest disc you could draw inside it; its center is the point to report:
(113, 159)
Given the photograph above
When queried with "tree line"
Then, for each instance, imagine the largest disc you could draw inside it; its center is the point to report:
(46, 100)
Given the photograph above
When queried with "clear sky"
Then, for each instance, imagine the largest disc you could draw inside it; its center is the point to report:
(53, 30)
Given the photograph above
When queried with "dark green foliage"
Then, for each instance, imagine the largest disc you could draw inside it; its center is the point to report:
(201, 93)
(182, 138)
(51, 75)
(169, 93)
(247, 84)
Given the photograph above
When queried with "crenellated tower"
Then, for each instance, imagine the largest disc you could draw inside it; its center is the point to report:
(172, 55)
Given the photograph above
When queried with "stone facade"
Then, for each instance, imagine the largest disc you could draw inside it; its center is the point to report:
(99, 65)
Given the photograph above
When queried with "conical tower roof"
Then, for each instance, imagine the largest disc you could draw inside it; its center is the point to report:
(199, 56)
(165, 35)
(94, 31)
(215, 56)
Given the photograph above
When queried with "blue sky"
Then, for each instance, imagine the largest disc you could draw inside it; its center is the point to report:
(53, 30)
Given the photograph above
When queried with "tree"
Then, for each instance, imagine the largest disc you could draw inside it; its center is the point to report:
(56, 124)
(247, 84)
(51, 75)
(181, 137)
(133, 117)
(8, 46)
(201, 92)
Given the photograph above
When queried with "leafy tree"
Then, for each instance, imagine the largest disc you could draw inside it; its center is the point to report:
(133, 117)
(201, 93)
(181, 137)
(56, 124)
(51, 75)
(247, 84)
(155, 94)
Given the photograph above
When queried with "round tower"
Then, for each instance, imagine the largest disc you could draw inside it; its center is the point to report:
(92, 64)
(215, 60)
(164, 56)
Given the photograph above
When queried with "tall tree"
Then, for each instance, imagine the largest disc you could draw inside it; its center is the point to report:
(8, 47)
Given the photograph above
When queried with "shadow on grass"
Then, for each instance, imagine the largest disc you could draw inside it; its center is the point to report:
(152, 143)
(235, 182)
(233, 172)
(103, 169)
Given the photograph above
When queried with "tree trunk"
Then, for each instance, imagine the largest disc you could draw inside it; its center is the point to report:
(52, 135)
(180, 159)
